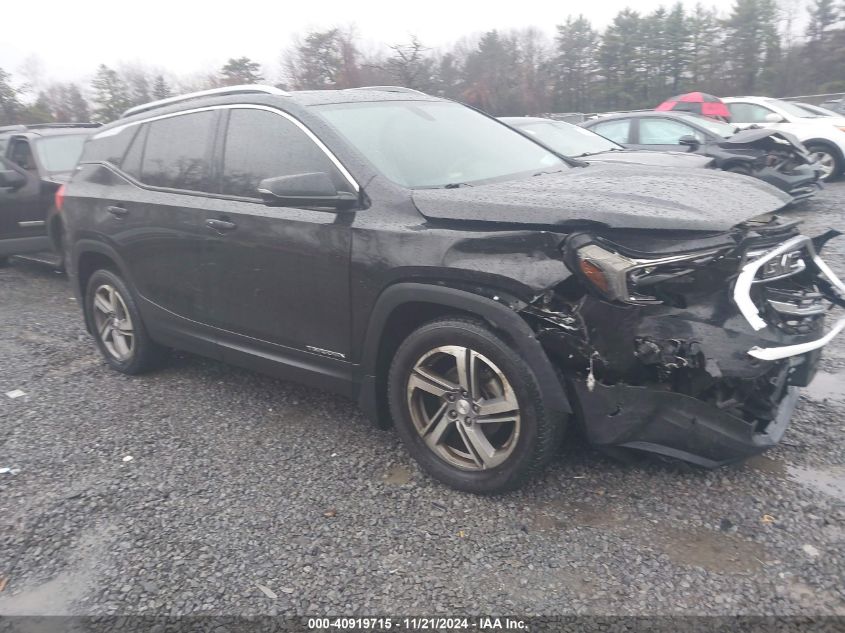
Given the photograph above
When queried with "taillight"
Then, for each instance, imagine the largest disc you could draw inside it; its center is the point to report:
(60, 197)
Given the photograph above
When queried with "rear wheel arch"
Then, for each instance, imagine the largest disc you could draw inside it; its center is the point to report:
(404, 307)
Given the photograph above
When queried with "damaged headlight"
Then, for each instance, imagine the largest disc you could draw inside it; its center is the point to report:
(631, 280)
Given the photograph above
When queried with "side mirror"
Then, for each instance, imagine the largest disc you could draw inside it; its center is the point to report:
(691, 141)
(12, 179)
(314, 189)
(773, 117)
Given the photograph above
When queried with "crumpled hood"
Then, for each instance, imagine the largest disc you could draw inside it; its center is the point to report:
(754, 134)
(618, 196)
(644, 157)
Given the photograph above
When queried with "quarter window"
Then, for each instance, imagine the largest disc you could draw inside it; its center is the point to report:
(616, 130)
(261, 144)
(176, 152)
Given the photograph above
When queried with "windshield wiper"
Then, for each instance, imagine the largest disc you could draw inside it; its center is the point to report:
(456, 185)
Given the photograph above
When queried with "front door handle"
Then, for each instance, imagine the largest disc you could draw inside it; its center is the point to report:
(117, 212)
(221, 226)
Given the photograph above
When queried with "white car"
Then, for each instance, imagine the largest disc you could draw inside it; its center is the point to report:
(823, 136)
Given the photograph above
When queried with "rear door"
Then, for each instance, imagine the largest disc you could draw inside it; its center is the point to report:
(277, 277)
(157, 220)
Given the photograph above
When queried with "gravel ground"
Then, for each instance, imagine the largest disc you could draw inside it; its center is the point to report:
(207, 489)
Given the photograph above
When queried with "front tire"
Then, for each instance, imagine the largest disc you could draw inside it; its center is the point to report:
(469, 408)
(831, 164)
(117, 326)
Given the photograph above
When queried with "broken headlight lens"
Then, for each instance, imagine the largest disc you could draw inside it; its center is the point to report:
(632, 280)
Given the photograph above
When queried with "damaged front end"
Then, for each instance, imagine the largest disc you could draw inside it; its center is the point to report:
(777, 158)
(686, 345)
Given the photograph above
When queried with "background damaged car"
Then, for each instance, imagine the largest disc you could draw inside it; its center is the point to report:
(480, 292)
(773, 156)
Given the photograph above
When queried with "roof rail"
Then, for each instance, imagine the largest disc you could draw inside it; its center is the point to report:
(13, 128)
(390, 89)
(214, 92)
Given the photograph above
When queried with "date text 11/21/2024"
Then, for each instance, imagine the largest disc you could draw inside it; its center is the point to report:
(482, 623)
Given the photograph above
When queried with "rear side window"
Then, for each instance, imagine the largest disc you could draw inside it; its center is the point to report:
(176, 152)
(260, 144)
(616, 130)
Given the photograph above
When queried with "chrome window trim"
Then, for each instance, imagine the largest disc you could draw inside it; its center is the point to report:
(224, 90)
(238, 106)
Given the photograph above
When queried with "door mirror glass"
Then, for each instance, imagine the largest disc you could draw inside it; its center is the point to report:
(314, 189)
(691, 141)
(773, 117)
(12, 179)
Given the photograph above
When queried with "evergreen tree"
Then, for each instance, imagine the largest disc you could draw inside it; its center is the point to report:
(10, 105)
(324, 59)
(160, 88)
(241, 70)
(111, 95)
(752, 44)
(621, 61)
(573, 69)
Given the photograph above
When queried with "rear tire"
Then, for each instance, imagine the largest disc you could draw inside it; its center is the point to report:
(117, 326)
(832, 164)
(469, 408)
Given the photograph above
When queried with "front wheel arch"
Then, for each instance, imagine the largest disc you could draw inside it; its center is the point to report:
(442, 301)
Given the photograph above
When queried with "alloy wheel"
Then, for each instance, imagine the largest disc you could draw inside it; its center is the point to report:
(463, 407)
(113, 323)
(826, 161)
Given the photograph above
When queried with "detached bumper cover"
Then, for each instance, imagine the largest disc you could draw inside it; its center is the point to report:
(675, 425)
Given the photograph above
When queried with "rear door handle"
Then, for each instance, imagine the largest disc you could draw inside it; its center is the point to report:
(117, 212)
(221, 226)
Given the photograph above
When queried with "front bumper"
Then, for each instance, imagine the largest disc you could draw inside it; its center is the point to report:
(673, 424)
(711, 383)
(801, 182)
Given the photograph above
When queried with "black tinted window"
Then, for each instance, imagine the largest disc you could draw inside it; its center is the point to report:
(260, 144)
(176, 152)
(134, 155)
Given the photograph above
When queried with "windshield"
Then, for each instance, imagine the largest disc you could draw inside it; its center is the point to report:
(60, 153)
(792, 109)
(717, 127)
(436, 144)
(565, 138)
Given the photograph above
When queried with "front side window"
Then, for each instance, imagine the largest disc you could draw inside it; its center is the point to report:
(260, 144)
(60, 153)
(665, 132)
(748, 113)
(437, 144)
(616, 130)
(176, 152)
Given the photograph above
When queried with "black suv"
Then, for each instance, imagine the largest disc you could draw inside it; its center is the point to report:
(35, 160)
(450, 274)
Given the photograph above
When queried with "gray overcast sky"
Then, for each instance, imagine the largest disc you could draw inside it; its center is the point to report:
(188, 36)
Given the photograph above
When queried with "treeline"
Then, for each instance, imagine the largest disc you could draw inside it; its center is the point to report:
(637, 61)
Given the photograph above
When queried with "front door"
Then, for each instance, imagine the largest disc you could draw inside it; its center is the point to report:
(277, 277)
(664, 134)
(22, 209)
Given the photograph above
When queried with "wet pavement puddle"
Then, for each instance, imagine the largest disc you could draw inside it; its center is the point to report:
(830, 480)
(826, 386)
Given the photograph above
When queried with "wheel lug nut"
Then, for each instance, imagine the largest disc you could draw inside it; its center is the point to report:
(453, 414)
(476, 408)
